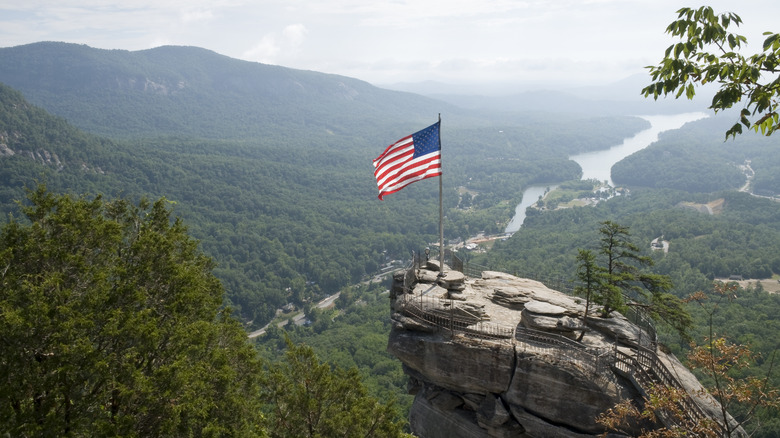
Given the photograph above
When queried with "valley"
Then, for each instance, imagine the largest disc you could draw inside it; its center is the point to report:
(269, 169)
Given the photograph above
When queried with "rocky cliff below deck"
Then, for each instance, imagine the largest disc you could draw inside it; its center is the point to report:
(502, 356)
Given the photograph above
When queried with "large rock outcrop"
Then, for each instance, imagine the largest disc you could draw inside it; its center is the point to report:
(502, 356)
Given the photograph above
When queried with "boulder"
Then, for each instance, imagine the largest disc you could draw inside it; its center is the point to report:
(452, 280)
(456, 287)
(432, 265)
(398, 284)
(492, 412)
(454, 295)
(497, 275)
(429, 290)
(544, 308)
(456, 366)
(412, 324)
(510, 297)
(539, 322)
(427, 276)
(511, 429)
(537, 427)
(617, 328)
(468, 310)
(444, 400)
(428, 422)
(472, 401)
(561, 392)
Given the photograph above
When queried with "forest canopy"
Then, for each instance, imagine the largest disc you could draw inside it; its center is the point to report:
(111, 323)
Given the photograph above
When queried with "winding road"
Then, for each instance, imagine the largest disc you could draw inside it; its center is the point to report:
(299, 317)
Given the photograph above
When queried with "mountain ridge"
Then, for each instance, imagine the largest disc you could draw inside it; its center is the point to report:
(93, 88)
(280, 189)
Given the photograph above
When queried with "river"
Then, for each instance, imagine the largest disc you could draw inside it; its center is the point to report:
(598, 164)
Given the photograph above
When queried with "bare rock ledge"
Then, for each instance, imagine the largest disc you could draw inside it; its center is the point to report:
(499, 356)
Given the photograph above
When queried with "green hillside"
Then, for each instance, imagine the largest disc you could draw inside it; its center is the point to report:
(270, 169)
(277, 229)
(285, 204)
(698, 160)
(193, 92)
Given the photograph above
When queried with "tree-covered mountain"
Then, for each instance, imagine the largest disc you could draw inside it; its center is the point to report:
(34, 145)
(189, 91)
(271, 167)
(281, 228)
(697, 159)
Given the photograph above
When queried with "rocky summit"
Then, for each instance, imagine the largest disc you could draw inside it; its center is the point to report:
(502, 356)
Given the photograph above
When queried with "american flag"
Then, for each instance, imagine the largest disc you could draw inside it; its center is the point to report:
(410, 159)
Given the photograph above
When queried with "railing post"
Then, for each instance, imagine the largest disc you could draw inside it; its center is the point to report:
(452, 319)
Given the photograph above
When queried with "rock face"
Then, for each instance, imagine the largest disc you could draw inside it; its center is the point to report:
(502, 356)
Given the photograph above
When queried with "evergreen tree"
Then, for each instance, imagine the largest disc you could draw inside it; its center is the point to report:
(621, 271)
(110, 325)
(591, 278)
(308, 398)
(624, 276)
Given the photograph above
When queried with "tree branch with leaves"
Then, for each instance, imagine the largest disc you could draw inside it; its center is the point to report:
(708, 53)
(719, 359)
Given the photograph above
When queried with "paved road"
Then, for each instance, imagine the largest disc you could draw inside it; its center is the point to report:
(298, 318)
(325, 302)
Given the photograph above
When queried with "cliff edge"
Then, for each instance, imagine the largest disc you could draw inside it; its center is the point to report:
(502, 356)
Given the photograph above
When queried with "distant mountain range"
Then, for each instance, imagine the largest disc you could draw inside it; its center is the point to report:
(189, 91)
(620, 98)
(195, 92)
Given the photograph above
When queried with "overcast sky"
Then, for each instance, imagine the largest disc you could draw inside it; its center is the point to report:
(390, 41)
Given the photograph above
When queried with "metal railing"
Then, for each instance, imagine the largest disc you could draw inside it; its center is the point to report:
(646, 369)
(636, 315)
(550, 339)
(641, 319)
(441, 313)
(645, 364)
(595, 360)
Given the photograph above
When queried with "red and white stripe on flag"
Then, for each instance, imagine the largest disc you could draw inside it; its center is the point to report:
(410, 159)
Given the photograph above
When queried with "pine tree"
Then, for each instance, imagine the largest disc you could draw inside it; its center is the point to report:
(308, 398)
(621, 273)
(110, 324)
(591, 278)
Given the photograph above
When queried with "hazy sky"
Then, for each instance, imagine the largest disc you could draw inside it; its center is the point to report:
(389, 41)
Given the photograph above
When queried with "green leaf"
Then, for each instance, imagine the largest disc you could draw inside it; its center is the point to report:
(772, 42)
(734, 131)
(678, 49)
(690, 92)
(127, 336)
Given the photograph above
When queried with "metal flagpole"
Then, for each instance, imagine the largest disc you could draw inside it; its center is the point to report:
(441, 213)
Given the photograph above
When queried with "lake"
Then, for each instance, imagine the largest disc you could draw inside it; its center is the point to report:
(598, 164)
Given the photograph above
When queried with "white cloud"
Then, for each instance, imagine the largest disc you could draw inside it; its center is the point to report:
(295, 34)
(388, 40)
(196, 15)
(272, 49)
(264, 51)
